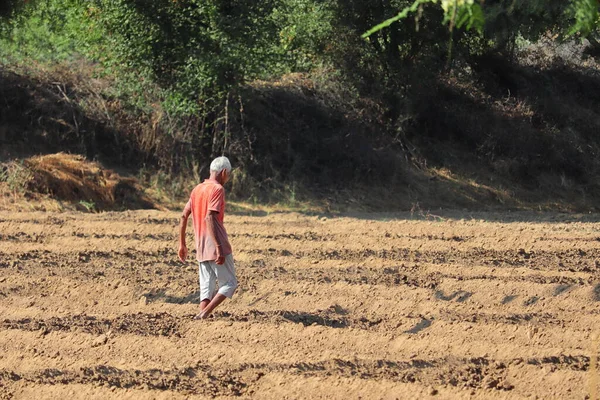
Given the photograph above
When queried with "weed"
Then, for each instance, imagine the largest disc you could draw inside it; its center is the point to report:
(17, 176)
(90, 206)
(426, 215)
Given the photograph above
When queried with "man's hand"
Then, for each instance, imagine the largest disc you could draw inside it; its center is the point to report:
(183, 252)
(220, 259)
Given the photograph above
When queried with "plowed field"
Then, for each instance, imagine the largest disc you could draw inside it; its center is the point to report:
(487, 306)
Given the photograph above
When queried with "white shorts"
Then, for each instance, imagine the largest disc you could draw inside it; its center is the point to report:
(210, 272)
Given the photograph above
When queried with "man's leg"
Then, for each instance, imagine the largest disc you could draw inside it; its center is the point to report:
(208, 284)
(218, 299)
(227, 285)
(203, 304)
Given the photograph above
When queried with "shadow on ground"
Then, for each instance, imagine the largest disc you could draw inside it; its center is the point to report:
(161, 296)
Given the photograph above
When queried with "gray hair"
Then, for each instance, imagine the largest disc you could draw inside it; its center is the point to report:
(219, 164)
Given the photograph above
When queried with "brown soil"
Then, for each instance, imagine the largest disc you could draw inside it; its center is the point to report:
(487, 306)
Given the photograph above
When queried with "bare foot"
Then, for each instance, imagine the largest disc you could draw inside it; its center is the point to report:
(201, 315)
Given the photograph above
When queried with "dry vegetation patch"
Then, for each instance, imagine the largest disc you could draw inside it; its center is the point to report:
(72, 179)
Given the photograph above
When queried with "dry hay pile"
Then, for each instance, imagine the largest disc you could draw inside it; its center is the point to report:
(72, 179)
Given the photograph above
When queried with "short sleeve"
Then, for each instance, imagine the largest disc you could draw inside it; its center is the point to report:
(217, 199)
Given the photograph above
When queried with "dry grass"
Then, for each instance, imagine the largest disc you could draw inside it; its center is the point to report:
(69, 181)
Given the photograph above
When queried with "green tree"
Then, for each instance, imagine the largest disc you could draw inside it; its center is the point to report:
(502, 20)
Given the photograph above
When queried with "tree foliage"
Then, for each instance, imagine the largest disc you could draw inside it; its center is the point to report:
(194, 49)
(199, 49)
(509, 17)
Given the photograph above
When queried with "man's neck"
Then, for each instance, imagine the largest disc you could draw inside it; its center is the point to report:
(215, 177)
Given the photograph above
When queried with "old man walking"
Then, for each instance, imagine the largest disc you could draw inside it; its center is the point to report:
(213, 251)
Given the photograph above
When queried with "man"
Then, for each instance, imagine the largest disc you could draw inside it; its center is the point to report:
(213, 251)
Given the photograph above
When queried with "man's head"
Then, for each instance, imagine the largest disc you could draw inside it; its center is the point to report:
(221, 169)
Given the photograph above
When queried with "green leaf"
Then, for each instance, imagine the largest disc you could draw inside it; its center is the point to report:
(401, 15)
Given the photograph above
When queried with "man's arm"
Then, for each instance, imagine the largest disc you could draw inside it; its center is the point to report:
(211, 223)
(183, 251)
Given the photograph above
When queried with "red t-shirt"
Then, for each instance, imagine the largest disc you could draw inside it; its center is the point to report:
(208, 196)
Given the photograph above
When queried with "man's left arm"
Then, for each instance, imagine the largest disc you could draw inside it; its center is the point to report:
(183, 251)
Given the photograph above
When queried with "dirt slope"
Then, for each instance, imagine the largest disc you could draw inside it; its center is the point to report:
(372, 306)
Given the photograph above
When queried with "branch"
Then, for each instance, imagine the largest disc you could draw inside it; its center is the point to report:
(402, 14)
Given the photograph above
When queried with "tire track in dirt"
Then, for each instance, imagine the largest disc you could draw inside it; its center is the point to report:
(82, 266)
(160, 324)
(187, 380)
(73, 218)
(165, 324)
(356, 275)
(307, 236)
(399, 275)
(166, 237)
(574, 260)
(584, 261)
(22, 237)
(465, 373)
(167, 256)
(331, 318)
